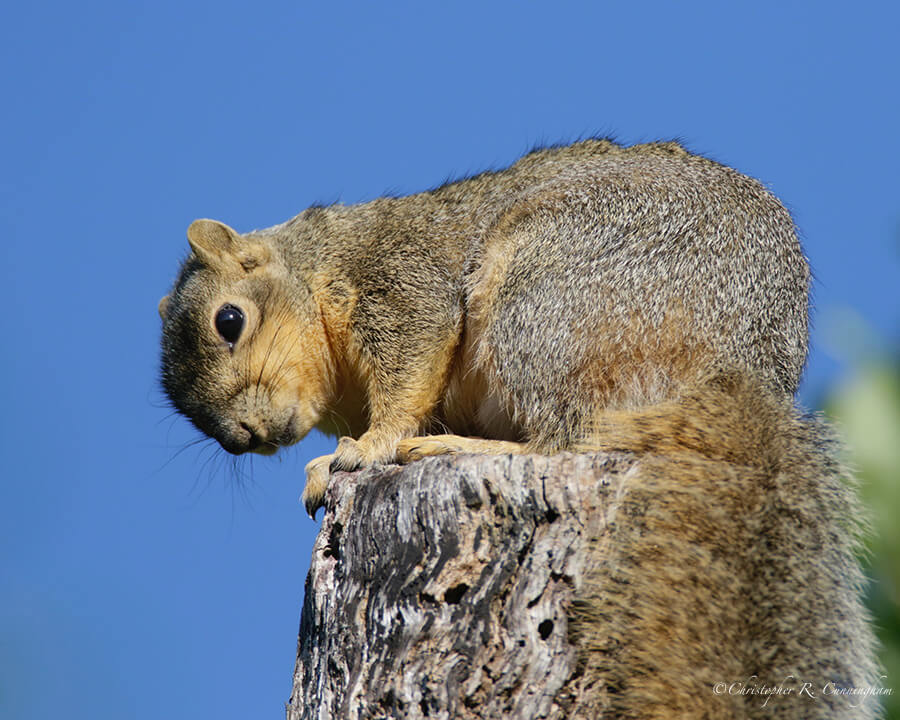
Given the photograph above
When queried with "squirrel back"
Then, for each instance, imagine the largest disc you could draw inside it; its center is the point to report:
(626, 277)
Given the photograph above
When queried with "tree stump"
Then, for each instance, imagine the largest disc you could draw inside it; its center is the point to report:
(441, 589)
(448, 588)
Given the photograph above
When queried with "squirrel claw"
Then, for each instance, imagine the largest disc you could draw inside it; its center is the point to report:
(348, 456)
(353, 454)
(317, 474)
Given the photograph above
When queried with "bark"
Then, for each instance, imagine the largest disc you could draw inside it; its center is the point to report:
(441, 589)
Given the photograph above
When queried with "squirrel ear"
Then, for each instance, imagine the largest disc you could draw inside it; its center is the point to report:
(216, 243)
(211, 239)
(163, 304)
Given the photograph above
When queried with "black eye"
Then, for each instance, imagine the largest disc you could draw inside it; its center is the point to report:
(229, 323)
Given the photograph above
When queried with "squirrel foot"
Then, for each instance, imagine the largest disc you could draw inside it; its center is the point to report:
(353, 454)
(317, 473)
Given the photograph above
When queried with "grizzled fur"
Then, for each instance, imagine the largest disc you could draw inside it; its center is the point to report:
(588, 297)
(583, 277)
(734, 561)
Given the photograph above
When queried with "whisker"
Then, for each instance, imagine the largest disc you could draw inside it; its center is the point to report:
(283, 366)
(268, 353)
(340, 422)
(187, 446)
(172, 415)
(177, 453)
(241, 472)
(209, 467)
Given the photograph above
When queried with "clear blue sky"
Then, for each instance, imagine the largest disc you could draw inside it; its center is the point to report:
(137, 581)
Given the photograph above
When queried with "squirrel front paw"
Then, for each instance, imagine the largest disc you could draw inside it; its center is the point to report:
(347, 456)
(317, 474)
(415, 448)
(350, 455)
(353, 454)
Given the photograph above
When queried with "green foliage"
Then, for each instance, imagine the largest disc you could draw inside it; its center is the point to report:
(867, 409)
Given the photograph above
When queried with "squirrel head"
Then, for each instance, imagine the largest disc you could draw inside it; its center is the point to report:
(244, 352)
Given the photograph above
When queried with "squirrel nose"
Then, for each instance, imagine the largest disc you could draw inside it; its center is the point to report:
(255, 438)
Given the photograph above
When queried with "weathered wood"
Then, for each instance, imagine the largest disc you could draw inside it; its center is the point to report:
(441, 589)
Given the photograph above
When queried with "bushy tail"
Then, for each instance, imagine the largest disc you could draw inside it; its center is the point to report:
(727, 584)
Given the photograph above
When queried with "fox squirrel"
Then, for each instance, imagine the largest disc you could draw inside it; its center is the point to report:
(588, 297)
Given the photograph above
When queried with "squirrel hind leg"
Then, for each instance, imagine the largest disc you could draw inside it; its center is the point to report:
(415, 448)
(731, 414)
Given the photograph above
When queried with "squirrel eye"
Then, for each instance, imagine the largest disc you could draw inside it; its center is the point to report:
(229, 323)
